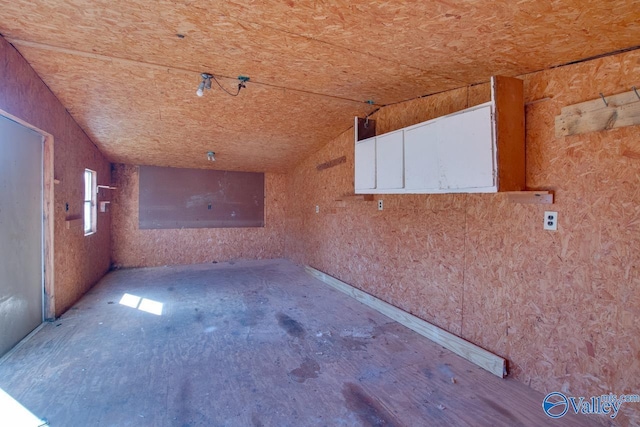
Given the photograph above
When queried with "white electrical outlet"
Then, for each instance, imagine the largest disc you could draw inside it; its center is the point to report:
(317, 209)
(380, 205)
(550, 220)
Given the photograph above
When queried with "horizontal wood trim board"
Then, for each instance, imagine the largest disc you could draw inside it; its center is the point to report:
(620, 110)
(531, 197)
(332, 163)
(477, 355)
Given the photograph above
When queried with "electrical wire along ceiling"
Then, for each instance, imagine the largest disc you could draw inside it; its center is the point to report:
(128, 71)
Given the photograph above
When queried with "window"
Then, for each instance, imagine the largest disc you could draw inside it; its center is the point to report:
(90, 208)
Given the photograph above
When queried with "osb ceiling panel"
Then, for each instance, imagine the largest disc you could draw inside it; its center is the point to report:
(129, 80)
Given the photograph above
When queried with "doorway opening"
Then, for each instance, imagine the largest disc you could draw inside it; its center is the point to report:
(26, 229)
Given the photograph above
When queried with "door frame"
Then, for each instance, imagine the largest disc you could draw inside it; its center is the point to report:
(47, 215)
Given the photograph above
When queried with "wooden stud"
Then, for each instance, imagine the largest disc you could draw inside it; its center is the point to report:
(479, 356)
(508, 95)
(619, 111)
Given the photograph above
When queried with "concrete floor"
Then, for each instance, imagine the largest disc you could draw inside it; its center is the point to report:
(253, 343)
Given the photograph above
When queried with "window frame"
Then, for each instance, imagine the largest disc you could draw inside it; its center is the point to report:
(90, 225)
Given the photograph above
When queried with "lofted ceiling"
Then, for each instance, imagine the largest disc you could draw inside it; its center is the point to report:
(128, 70)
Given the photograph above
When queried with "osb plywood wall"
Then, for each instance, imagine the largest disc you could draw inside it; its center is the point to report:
(133, 247)
(563, 306)
(79, 261)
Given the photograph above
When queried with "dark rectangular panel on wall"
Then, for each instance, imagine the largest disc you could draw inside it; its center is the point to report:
(200, 198)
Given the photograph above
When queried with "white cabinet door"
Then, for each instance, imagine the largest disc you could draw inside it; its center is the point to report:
(420, 158)
(465, 150)
(389, 161)
(365, 165)
(451, 154)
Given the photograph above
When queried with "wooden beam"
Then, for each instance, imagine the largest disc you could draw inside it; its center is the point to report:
(477, 355)
(620, 110)
(508, 95)
(531, 197)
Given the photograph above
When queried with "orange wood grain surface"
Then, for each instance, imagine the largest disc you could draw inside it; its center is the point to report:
(128, 72)
(561, 306)
(79, 261)
(133, 247)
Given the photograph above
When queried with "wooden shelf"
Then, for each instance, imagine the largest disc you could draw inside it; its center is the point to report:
(355, 197)
(105, 187)
(73, 220)
(531, 197)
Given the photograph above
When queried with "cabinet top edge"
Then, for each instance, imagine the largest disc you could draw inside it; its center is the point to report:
(435, 119)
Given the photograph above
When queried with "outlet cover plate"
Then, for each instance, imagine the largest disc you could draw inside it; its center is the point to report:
(551, 220)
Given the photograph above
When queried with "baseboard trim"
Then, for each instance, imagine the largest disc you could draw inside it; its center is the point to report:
(463, 348)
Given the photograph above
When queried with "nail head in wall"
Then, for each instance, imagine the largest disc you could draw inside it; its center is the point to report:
(332, 163)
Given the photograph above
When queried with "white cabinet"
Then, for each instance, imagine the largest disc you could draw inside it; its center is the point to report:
(421, 158)
(457, 153)
(389, 161)
(366, 164)
(466, 151)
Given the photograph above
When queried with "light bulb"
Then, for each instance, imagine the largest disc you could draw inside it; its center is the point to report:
(200, 90)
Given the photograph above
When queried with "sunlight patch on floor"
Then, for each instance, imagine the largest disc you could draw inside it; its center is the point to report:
(143, 304)
(14, 414)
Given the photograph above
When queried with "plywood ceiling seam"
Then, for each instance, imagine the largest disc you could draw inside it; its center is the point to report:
(160, 67)
(350, 50)
(313, 65)
(592, 58)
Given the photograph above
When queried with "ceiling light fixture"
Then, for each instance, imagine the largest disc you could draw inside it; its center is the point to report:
(205, 84)
(211, 156)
